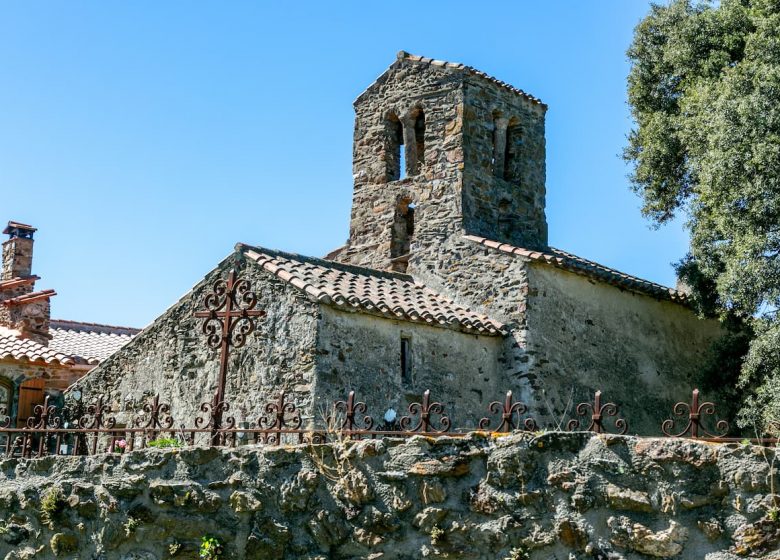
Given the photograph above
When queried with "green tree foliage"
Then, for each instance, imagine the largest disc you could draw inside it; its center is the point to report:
(704, 90)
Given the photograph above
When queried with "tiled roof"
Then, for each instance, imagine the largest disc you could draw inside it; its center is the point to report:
(388, 294)
(11, 346)
(91, 342)
(456, 66)
(578, 265)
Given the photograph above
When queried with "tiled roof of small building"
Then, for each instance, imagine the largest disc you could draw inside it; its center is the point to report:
(11, 346)
(388, 294)
(578, 265)
(456, 66)
(91, 342)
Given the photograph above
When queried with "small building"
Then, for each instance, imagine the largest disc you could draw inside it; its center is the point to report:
(38, 355)
(447, 282)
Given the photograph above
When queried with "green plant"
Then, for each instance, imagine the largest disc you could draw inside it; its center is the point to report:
(745, 441)
(437, 534)
(164, 442)
(210, 548)
(52, 504)
(773, 514)
(174, 548)
(517, 554)
(131, 525)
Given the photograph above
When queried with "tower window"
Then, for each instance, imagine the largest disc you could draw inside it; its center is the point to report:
(419, 143)
(402, 233)
(406, 358)
(394, 157)
(498, 160)
(512, 152)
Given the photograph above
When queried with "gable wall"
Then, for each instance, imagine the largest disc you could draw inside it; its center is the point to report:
(585, 335)
(170, 357)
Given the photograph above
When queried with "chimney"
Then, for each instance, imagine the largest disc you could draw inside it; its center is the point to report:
(17, 251)
(22, 309)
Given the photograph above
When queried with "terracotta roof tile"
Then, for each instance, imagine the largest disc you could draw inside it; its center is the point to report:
(18, 281)
(12, 346)
(578, 265)
(90, 342)
(386, 293)
(29, 298)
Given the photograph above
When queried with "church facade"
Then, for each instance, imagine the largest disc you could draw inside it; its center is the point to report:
(446, 283)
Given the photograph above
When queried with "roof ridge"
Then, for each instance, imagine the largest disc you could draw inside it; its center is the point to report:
(457, 67)
(355, 269)
(63, 323)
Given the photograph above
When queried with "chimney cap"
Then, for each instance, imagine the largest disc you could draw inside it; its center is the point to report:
(17, 229)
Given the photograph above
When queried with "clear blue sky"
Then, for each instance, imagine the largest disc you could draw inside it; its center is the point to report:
(144, 139)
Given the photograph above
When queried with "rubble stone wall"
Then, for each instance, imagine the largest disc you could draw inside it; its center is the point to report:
(551, 496)
(363, 353)
(171, 357)
(644, 354)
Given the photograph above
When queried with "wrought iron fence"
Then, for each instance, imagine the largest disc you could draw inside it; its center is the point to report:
(97, 431)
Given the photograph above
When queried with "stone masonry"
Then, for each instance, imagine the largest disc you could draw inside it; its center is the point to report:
(446, 282)
(518, 497)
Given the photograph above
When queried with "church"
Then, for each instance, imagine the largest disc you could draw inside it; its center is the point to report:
(446, 283)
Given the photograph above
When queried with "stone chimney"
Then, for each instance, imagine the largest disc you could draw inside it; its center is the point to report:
(17, 251)
(22, 309)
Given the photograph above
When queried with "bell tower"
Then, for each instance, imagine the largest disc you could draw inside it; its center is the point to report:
(441, 150)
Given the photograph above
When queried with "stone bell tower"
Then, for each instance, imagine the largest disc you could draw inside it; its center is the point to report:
(442, 150)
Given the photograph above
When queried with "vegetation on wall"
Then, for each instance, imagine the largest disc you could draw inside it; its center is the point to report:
(704, 90)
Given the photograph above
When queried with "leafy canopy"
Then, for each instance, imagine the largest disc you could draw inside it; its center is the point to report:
(704, 91)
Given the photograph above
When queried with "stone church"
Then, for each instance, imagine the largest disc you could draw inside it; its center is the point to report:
(446, 282)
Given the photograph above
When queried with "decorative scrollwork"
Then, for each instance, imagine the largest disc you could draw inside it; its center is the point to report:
(230, 312)
(215, 416)
(597, 413)
(44, 417)
(695, 411)
(5, 418)
(424, 410)
(158, 416)
(350, 409)
(95, 416)
(279, 415)
(511, 412)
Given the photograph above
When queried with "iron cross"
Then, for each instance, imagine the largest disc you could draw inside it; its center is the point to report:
(230, 318)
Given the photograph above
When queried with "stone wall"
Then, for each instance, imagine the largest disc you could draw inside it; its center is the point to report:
(554, 496)
(361, 352)
(399, 93)
(503, 202)
(584, 335)
(171, 358)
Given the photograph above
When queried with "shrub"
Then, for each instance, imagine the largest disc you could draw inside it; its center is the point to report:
(210, 548)
(52, 504)
(164, 442)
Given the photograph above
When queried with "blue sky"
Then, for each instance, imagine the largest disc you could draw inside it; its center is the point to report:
(144, 139)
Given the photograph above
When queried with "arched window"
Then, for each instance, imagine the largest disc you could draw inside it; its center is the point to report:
(512, 152)
(416, 165)
(499, 144)
(6, 397)
(402, 233)
(394, 141)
